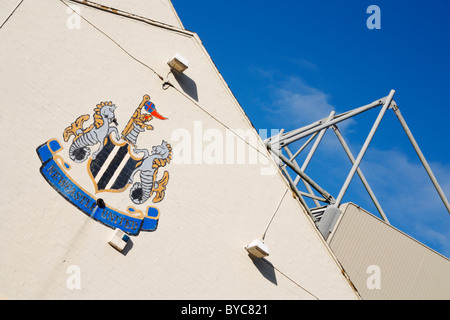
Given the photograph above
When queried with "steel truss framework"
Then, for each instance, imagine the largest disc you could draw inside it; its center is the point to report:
(325, 216)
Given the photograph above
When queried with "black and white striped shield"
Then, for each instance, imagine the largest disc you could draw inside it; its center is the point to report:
(112, 167)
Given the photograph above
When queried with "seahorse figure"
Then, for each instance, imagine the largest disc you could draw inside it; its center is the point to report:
(79, 151)
(143, 190)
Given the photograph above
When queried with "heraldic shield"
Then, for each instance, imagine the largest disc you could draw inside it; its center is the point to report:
(112, 167)
(114, 163)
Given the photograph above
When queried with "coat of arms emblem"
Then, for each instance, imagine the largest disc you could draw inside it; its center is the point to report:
(115, 163)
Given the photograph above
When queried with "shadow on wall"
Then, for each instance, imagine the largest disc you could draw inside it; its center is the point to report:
(127, 248)
(187, 84)
(265, 268)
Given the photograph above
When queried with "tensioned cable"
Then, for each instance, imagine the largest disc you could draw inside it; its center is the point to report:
(274, 214)
(213, 117)
(209, 114)
(11, 14)
(293, 281)
(264, 235)
(115, 42)
(165, 82)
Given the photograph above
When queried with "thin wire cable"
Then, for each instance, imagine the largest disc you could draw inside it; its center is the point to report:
(11, 14)
(210, 115)
(115, 42)
(216, 119)
(263, 237)
(274, 214)
(165, 82)
(293, 281)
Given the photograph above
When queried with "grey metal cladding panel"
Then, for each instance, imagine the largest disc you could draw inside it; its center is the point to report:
(408, 269)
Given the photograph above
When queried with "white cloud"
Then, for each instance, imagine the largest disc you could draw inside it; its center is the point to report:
(393, 172)
(297, 104)
(400, 183)
(408, 196)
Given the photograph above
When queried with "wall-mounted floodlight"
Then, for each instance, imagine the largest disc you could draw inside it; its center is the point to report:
(258, 249)
(119, 240)
(178, 63)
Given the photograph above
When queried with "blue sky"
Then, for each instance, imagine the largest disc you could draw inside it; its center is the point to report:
(291, 62)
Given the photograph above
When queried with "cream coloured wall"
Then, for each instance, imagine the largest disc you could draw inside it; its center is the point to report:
(50, 75)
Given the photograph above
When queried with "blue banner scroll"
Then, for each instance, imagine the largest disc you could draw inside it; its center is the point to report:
(54, 171)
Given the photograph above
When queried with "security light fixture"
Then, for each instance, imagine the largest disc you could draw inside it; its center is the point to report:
(119, 240)
(178, 63)
(258, 249)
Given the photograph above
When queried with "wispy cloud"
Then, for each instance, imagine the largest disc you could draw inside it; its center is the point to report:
(400, 182)
(288, 101)
(394, 172)
(408, 196)
(296, 103)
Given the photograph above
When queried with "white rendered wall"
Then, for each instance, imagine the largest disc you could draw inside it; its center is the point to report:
(50, 75)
